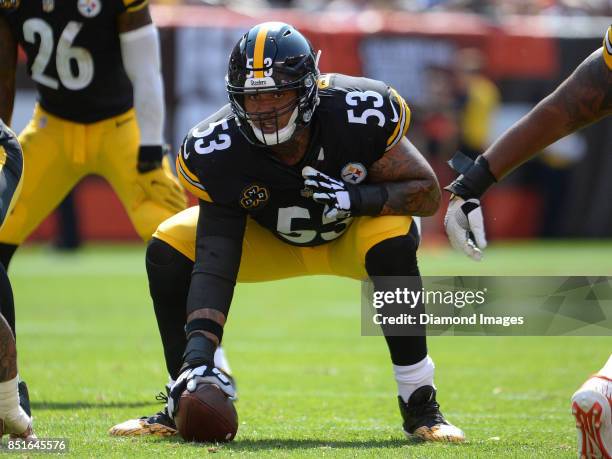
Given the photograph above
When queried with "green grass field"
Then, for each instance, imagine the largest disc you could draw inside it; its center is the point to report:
(309, 384)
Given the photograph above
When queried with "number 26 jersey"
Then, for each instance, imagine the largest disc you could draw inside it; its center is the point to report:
(74, 55)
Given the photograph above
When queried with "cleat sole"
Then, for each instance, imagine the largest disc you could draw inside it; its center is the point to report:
(591, 410)
(427, 434)
(137, 428)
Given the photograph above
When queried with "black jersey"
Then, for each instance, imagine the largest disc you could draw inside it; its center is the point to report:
(74, 55)
(357, 120)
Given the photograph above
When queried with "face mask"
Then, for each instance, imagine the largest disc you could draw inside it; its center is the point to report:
(280, 136)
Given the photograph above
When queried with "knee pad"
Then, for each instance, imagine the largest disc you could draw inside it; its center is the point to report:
(160, 253)
(6, 254)
(167, 268)
(395, 256)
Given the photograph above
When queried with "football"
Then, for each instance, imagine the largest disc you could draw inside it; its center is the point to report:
(206, 415)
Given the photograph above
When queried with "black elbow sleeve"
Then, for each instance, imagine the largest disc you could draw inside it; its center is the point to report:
(214, 273)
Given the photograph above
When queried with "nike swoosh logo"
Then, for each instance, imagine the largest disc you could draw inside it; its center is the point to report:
(395, 115)
(120, 123)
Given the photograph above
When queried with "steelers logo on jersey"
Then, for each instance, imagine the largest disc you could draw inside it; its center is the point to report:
(354, 173)
(89, 8)
(254, 196)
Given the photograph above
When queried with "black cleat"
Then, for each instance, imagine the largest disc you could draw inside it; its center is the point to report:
(160, 424)
(423, 419)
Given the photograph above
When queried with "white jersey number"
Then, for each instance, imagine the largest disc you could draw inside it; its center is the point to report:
(222, 142)
(74, 77)
(286, 215)
(353, 99)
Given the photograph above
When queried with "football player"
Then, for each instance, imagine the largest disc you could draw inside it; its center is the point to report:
(100, 110)
(300, 174)
(14, 419)
(585, 97)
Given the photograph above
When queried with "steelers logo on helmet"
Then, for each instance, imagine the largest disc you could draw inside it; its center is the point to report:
(271, 83)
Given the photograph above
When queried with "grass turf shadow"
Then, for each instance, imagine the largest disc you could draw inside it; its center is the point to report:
(250, 445)
(43, 405)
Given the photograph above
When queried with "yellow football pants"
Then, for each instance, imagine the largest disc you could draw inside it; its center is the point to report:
(59, 153)
(267, 258)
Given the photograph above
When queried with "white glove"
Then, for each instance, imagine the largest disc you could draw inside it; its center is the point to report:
(329, 191)
(190, 379)
(465, 227)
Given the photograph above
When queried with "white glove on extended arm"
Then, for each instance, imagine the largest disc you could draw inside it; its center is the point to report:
(464, 226)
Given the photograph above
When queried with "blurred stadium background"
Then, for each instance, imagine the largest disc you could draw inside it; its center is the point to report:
(468, 69)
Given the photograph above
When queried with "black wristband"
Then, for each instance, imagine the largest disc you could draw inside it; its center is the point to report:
(150, 157)
(475, 178)
(205, 325)
(199, 351)
(367, 199)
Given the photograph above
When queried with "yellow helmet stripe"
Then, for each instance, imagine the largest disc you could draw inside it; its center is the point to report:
(258, 53)
(607, 48)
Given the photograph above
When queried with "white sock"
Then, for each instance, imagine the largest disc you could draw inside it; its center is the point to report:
(221, 361)
(410, 377)
(15, 419)
(607, 369)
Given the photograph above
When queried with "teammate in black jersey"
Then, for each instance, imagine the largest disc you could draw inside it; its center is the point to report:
(100, 110)
(300, 174)
(14, 419)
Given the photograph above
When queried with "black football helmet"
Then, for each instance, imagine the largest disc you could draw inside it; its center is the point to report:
(273, 57)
